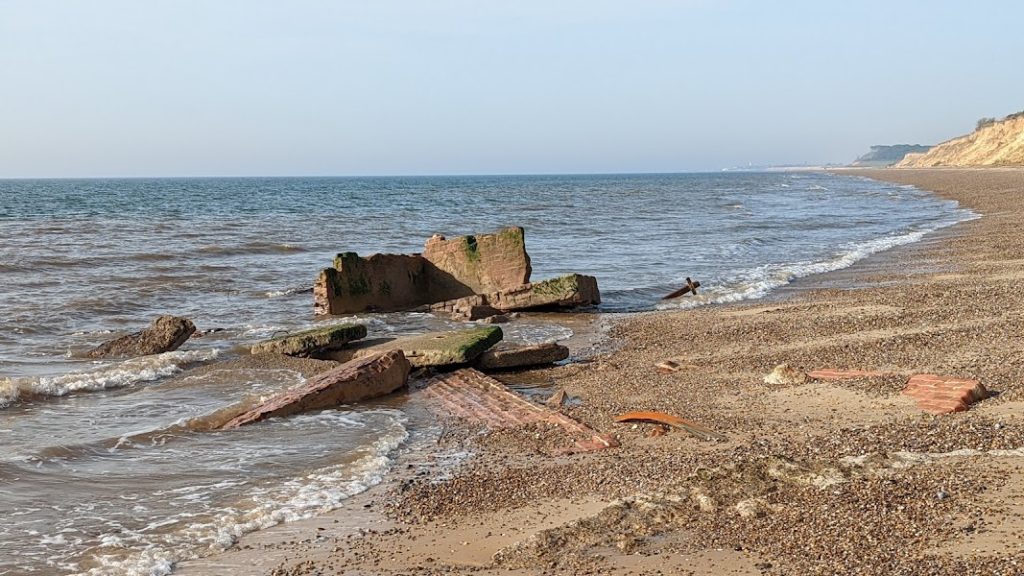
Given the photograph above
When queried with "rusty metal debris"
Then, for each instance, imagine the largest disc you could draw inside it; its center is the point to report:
(698, 430)
(670, 365)
(690, 288)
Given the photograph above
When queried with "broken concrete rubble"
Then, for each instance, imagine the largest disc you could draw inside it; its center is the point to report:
(434, 349)
(567, 291)
(473, 396)
(506, 356)
(472, 277)
(482, 263)
(570, 291)
(165, 334)
(363, 378)
(311, 342)
(446, 270)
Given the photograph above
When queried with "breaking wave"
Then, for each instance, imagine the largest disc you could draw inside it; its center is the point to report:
(760, 281)
(119, 375)
(289, 291)
(315, 493)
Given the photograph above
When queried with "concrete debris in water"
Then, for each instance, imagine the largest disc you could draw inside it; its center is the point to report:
(165, 334)
(312, 342)
(361, 379)
(508, 356)
(472, 277)
(437, 349)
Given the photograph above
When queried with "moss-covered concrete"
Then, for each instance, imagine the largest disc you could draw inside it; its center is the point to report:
(442, 348)
(311, 342)
(569, 291)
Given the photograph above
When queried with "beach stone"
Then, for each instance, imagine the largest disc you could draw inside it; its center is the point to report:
(165, 334)
(944, 394)
(482, 263)
(557, 399)
(786, 375)
(505, 356)
(569, 291)
(310, 342)
(360, 379)
(442, 348)
(752, 508)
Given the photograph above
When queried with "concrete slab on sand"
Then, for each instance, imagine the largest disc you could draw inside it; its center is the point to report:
(453, 348)
(471, 395)
(313, 341)
(507, 356)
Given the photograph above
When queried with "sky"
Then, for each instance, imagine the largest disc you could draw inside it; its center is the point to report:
(96, 88)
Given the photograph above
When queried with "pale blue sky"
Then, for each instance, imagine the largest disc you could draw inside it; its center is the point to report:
(305, 87)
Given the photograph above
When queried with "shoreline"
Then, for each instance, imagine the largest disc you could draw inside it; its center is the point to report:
(426, 509)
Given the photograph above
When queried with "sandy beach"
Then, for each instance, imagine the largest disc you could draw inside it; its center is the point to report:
(819, 477)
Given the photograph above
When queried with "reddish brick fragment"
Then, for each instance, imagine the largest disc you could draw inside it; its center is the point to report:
(944, 394)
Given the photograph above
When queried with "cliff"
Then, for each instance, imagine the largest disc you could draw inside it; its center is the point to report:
(995, 143)
(889, 155)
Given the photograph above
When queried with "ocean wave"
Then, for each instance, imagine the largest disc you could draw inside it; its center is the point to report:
(119, 375)
(289, 291)
(315, 493)
(759, 282)
(251, 248)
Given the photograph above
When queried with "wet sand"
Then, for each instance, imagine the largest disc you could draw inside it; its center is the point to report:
(822, 477)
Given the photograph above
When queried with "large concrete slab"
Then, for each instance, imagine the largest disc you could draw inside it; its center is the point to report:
(570, 291)
(310, 342)
(447, 270)
(361, 379)
(165, 334)
(506, 356)
(435, 349)
(484, 263)
(376, 283)
(471, 395)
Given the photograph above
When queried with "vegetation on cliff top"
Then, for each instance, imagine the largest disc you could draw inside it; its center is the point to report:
(993, 143)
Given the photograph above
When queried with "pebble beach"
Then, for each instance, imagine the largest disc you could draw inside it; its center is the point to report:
(816, 477)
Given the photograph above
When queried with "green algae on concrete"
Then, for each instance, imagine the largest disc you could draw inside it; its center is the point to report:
(312, 341)
(569, 291)
(442, 348)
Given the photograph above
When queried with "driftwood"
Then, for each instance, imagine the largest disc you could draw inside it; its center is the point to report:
(691, 287)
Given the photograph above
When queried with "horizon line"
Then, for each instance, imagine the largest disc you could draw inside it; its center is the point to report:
(438, 175)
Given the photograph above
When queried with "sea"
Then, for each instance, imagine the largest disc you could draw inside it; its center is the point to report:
(99, 471)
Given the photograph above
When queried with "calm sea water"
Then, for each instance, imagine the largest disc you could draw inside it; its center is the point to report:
(95, 476)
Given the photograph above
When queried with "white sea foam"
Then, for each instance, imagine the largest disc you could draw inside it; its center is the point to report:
(760, 281)
(117, 375)
(315, 493)
(288, 291)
